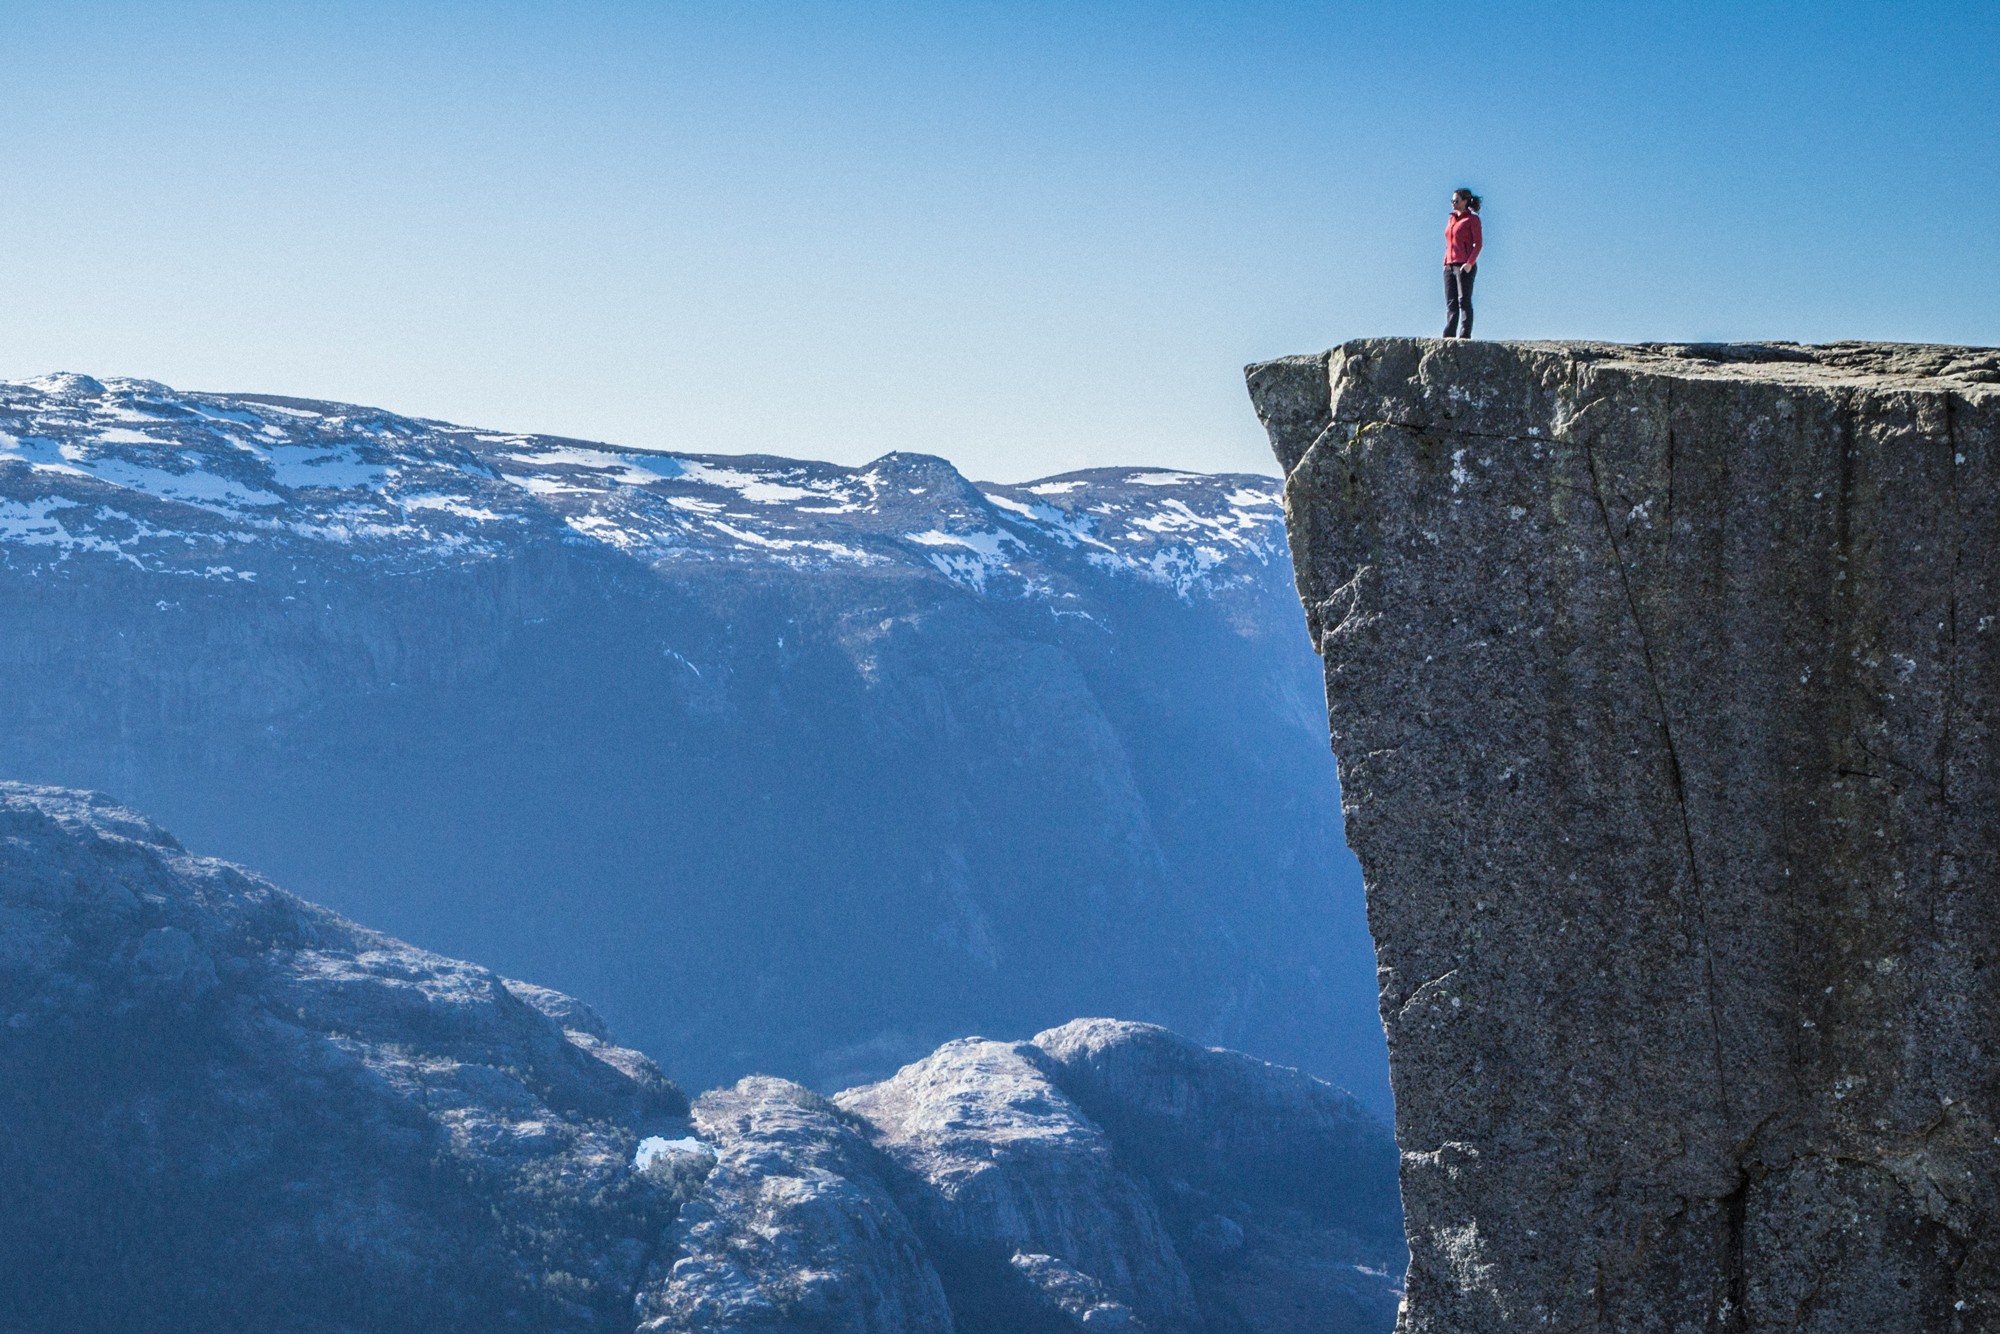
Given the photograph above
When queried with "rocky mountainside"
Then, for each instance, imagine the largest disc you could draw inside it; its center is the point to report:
(225, 1108)
(1117, 1172)
(791, 767)
(222, 1107)
(1203, 1192)
(1662, 680)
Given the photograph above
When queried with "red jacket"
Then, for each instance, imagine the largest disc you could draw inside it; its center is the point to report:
(1462, 239)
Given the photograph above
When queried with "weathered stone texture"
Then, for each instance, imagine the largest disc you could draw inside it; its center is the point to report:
(1661, 680)
(794, 1229)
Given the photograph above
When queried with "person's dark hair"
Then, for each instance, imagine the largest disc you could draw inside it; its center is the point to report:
(1471, 199)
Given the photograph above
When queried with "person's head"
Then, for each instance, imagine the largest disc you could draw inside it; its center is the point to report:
(1463, 200)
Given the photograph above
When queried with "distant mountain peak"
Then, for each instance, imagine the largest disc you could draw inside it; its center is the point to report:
(242, 486)
(726, 742)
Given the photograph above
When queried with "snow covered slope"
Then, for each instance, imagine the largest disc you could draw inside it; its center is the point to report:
(239, 486)
(792, 767)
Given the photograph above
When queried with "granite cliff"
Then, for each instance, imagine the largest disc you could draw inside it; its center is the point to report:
(1662, 681)
(222, 1107)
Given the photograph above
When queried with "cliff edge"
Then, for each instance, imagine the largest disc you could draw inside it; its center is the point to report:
(1662, 682)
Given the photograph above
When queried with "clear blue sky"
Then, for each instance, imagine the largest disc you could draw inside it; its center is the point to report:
(1029, 237)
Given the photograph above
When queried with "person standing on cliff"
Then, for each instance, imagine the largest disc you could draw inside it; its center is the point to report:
(1462, 241)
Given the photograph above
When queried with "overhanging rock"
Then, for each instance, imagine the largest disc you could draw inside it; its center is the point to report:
(1662, 680)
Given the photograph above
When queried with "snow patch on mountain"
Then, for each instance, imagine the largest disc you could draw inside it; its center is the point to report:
(158, 478)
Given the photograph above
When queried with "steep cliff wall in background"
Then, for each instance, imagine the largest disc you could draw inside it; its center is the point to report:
(791, 768)
(1663, 682)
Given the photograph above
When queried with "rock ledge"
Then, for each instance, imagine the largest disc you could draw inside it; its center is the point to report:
(1662, 681)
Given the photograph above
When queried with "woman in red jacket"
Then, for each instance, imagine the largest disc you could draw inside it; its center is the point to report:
(1461, 261)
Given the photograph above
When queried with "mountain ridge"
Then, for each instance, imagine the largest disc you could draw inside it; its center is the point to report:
(373, 480)
(792, 766)
(229, 1108)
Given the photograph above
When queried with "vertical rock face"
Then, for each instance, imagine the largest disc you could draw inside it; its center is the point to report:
(1661, 680)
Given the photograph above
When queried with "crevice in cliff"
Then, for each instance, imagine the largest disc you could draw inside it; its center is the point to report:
(1673, 447)
(655, 1247)
(1438, 430)
(1673, 771)
(1916, 774)
(1421, 988)
(1730, 1315)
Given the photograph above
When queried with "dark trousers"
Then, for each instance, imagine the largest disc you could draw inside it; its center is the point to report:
(1458, 299)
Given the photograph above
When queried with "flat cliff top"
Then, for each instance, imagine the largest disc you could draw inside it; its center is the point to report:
(1408, 380)
(1887, 365)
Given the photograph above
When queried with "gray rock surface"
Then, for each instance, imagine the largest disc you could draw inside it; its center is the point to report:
(1112, 1173)
(793, 1229)
(1661, 680)
(1010, 1166)
(1278, 1190)
(1064, 1293)
(222, 1107)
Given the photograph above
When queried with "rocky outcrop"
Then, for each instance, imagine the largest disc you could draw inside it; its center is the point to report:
(1112, 1174)
(793, 1228)
(1009, 1167)
(1662, 682)
(973, 1193)
(222, 1107)
(1278, 1190)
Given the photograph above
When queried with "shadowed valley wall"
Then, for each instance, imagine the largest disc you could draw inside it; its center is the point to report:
(792, 768)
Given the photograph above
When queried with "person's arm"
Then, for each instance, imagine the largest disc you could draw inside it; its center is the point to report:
(1477, 238)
